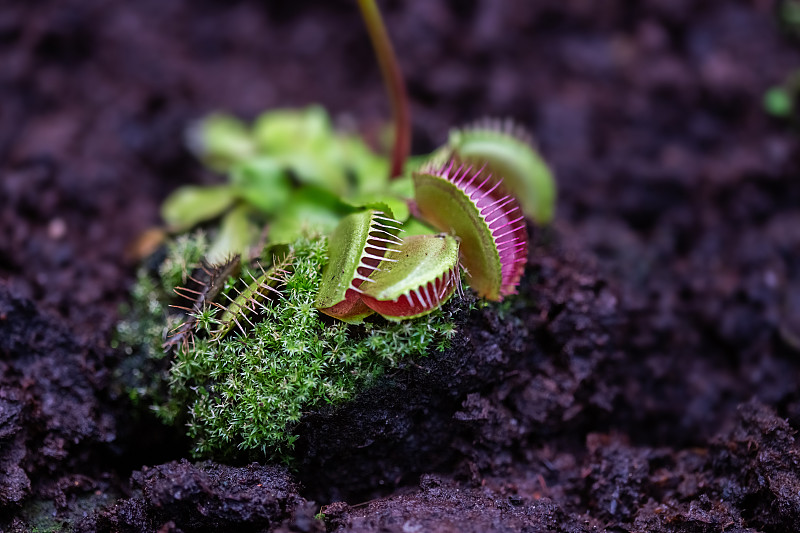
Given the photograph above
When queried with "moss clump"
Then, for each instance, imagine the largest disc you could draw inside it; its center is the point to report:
(247, 392)
(144, 373)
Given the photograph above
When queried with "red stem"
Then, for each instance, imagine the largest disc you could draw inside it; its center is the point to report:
(395, 87)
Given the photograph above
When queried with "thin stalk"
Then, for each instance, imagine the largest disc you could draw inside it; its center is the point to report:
(393, 79)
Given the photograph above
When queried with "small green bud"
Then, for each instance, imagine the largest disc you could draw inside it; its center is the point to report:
(778, 102)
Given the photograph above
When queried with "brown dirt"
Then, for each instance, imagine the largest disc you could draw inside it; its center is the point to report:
(645, 380)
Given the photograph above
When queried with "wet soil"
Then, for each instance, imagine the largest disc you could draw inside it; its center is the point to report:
(646, 379)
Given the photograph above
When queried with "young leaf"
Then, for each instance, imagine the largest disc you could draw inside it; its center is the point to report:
(251, 299)
(356, 247)
(369, 170)
(221, 141)
(261, 182)
(421, 278)
(494, 239)
(309, 210)
(281, 131)
(506, 150)
(236, 235)
(303, 141)
(189, 205)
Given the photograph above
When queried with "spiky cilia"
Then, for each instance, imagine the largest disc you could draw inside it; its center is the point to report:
(357, 246)
(209, 281)
(472, 205)
(252, 298)
(424, 276)
(506, 149)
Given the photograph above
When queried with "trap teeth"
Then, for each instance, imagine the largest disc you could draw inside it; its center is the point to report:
(252, 299)
(472, 205)
(423, 279)
(356, 249)
(506, 149)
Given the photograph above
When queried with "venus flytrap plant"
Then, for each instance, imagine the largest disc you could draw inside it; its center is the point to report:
(254, 348)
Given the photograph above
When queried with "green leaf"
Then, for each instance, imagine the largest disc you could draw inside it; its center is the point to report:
(221, 141)
(370, 170)
(402, 187)
(318, 167)
(281, 131)
(261, 182)
(778, 102)
(236, 235)
(189, 205)
(310, 210)
(304, 142)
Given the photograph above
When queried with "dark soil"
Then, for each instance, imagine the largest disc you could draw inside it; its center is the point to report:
(645, 380)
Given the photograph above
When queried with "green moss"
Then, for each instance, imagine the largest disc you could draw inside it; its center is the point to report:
(246, 392)
(42, 516)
